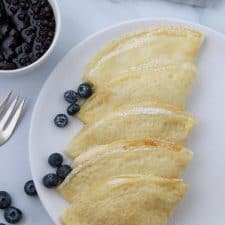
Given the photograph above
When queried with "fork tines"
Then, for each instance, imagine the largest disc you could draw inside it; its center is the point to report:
(9, 116)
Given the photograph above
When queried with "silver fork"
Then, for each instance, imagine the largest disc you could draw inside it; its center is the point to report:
(9, 117)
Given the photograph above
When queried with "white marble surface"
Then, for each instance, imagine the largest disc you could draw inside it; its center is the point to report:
(79, 19)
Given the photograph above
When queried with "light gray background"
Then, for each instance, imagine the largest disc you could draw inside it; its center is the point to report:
(80, 18)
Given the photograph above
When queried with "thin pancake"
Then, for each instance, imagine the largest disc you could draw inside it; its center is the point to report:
(168, 83)
(126, 200)
(142, 121)
(145, 157)
(167, 42)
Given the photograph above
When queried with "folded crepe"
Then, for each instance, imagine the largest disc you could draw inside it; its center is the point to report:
(166, 42)
(126, 200)
(142, 121)
(167, 82)
(145, 157)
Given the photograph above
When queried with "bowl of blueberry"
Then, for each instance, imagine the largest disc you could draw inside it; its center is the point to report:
(29, 30)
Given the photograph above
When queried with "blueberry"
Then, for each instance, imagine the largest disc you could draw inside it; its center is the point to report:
(1, 65)
(34, 1)
(36, 17)
(12, 215)
(24, 5)
(22, 16)
(13, 10)
(71, 96)
(55, 160)
(26, 47)
(52, 24)
(33, 58)
(29, 188)
(1, 57)
(73, 109)
(42, 2)
(85, 90)
(3, 16)
(63, 171)
(9, 66)
(50, 180)
(47, 42)
(2, 224)
(39, 54)
(49, 14)
(61, 120)
(29, 31)
(23, 59)
(15, 2)
(12, 43)
(51, 34)
(5, 200)
(47, 9)
(5, 29)
(45, 23)
(19, 50)
(9, 54)
(37, 47)
(35, 9)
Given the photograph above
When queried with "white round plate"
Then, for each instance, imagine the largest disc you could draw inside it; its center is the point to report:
(205, 200)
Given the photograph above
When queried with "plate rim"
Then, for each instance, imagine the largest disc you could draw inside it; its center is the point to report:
(77, 46)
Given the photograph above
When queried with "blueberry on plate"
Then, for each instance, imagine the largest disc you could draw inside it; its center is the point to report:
(71, 96)
(5, 200)
(12, 215)
(50, 180)
(85, 90)
(55, 160)
(29, 188)
(63, 171)
(73, 109)
(61, 120)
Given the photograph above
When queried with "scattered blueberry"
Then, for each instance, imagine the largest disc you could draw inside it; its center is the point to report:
(50, 180)
(29, 188)
(61, 120)
(85, 90)
(71, 96)
(2, 224)
(5, 200)
(63, 171)
(73, 109)
(55, 160)
(12, 215)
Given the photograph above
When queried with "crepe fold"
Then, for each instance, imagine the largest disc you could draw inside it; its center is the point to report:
(139, 121)
(164, 42)
(126, 200)
(145, 157)
(168, 83)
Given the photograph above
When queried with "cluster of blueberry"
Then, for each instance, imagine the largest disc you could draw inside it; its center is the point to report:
(84, 91)
(12, 214)
(27, 29)
(52, 180)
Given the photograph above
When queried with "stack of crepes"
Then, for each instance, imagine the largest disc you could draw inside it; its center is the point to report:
(128, 158)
